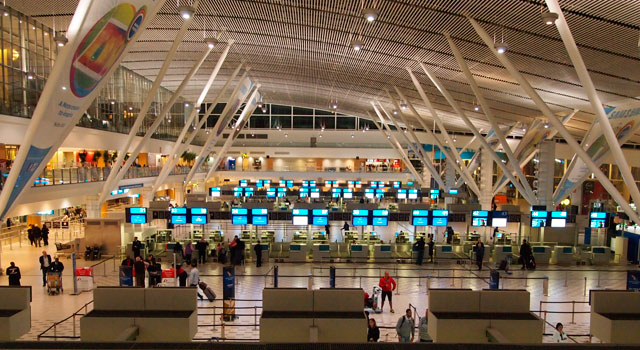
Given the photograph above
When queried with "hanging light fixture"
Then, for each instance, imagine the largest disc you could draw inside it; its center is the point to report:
(264, 109)
(186, 12)
(4, 9)
(395, 111)
(353, 136)
(548, 18)
(31, 76)
(370, 14)
(60, 39)
(286, 135)
(356, 44)
(130, 108)
(211, 42)
(112, 101)
(186, 104)
(546, 125)
(403, 105)
(501, 46)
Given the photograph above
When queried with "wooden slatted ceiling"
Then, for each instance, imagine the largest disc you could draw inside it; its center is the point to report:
(299, 50)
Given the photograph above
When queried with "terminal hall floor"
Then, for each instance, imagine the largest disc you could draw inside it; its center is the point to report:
(566, 285)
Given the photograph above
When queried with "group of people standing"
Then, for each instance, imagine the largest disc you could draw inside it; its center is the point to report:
(420, 245)
(405, 328)
(37, 234)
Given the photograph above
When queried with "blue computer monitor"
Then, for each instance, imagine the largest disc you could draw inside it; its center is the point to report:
(259, 220)
(320, 220)
(360, 221)
(199, 219)
(178, 219)
(420, 221)
(538, 222)
(439, 221)
(138, 219)
(380, 221)
(239, 220)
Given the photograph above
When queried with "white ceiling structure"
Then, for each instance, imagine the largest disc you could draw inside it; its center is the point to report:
(299, 50)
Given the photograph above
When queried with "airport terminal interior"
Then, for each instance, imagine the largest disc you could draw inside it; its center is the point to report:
(243, 173)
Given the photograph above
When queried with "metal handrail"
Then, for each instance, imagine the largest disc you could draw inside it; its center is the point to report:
(55, 324)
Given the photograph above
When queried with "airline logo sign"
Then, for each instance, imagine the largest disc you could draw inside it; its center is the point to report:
(99, 34)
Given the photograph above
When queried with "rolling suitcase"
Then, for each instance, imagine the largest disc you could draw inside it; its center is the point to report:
(208, 292)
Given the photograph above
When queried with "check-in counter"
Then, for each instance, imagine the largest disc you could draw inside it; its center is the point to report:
(615, 316)
(541, 254)
(248, 236)
(360, 251)
(350, 236)
(299, 236)
(319, 236)
(298, 252)
(216, 236)
(444, 251)
(600, 255)
(562, 255)
(382, 252)
(267, 236)
(501, 252)
(15, 312)
(321, 252)
(402, 250)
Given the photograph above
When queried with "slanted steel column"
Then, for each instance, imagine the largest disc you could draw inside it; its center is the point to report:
(172, 160)
(398, 146)
(426, 161)
(475, 131)
(434, 114)
(486, 109)
(115, 168)
(156, 123)
(594, 99)
(556, 123)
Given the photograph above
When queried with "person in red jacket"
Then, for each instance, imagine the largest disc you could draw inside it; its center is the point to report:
(388, 285)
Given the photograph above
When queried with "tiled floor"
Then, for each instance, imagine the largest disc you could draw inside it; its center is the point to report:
(565, 286)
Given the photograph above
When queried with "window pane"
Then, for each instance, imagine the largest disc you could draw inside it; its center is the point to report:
(346, 123)
(302, 111)
(303, 122)
(283, 121)
(366, 123)
(327, 122)
(276, 109)
(259, 122)
(323, 112)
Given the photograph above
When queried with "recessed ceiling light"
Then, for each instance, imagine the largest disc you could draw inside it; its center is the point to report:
(64, 88)
(476, 108)
(395, 111)
(211, 42)
(352, 135)
(549, 18)
(186, 104)
(403, 105)
(112, 101)
(286, 135)
(186, 12)
(546, 125)
(370, 14)
(31, 76)
(356, 44)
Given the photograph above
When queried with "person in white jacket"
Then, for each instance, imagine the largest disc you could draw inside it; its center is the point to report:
(559, 336)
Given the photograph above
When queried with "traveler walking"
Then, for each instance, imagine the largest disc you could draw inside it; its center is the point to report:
(258, 249)
(139, 268)
(405, 328)
(45, 234)
(45, 264)
(388, 285)
(525, 253)
(182, 276)
(479, 254)
(431, 244)
(194, 278)
(178, 251)
(188, 252)
(373, 332)
(14, 274)
(419, 245)
(30, 234)
(201, 246)
(57, 266)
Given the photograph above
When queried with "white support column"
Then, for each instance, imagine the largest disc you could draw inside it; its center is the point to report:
(475, 131)
(152, 129)
(486, 178)
(545, 168)
(434, 114)
(557, 124)
(594, 99)
(179, 147)
(398, 146)
(151, 95)
(486, 109)
(93, 206)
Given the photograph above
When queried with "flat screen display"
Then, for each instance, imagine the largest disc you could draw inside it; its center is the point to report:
(558, 222)
(199, 211)
(420, 221)
(347, 195)
(301, 220)
(259, 211)
(239, 211)
(320, 212)
(271, 193)
(453, 191)
(418, 212)
(597, 223)
(360, 212)
(538, 222)
(479, 222)
(178, 210)
(380, 221)
(540, 214)
(439, 221)
(559, 214)
(499, 222)
(215, 192)
(360, 221)
(199, 219)
(137, 210)
(315, 194)
(304, 212)
(401, 195)
(178, 219)
(598, 215)
(380, 212)
(369, 195)
(138, 219)
(259, 220)
(320, 220)
(239, 220)
(480, 213)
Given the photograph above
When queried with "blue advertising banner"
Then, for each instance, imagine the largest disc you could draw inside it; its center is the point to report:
(633, 280)
(126, 276)
(99, 35)
(229, 293)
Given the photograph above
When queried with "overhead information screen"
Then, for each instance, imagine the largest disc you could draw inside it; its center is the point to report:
(396, 184)
(198, 216)
(369, 193)
(380, 217)
(598, 219)
(239, 216)
(439, 217)
(479, 218)
(331, 183)
(314, 192)
(300, 217)
(303, 193)
(539, 218)
(401, 194)
(286, 183)
(178, 216)
(499, 218)
(413, 193)
(360, 217)
(435, 194)
(558, 219)
(453, 191)
(136, 215)
(336, 192)
(420, 218)
(380, 192)
(243, 183)
(309, 183)
(354, 184)
(263, 183)
(259, 216)
(347, 193)
(215, 191)
(271, 193)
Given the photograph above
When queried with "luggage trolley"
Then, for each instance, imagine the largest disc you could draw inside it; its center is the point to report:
(54, 282)
(372, 303)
